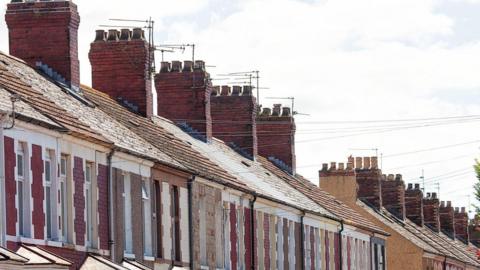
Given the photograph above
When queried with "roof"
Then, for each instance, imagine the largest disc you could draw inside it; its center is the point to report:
(77, 118)
(134, 265)
(6, 254)
(93, 262)
(424, 237)
(38, 256)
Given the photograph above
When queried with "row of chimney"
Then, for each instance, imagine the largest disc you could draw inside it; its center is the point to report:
(46, 32)
(389, 192)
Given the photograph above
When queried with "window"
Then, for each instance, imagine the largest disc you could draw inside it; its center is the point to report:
(64, 197)
(89, 168)
(147, 216)
(49, 196)
(127, 210)
(158, 218)
(176, 223)
(23, 194)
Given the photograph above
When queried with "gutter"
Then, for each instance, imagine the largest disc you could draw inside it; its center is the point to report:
(252, 232)
(111, 214)
(340, 246)
(190, 218)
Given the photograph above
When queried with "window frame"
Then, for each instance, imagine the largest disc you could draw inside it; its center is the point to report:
(49, 186)
(23, 199)
(89, 205)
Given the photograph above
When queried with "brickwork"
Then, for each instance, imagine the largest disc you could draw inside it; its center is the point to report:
(79, 201)
(446, 213)
(414, 204)
(183, 95)
(233, 117)
(368, 180)
(393, 195)
(102, 183)
(46, 32)
(38, 214)
(137, 216)
(431, 214)
(461, 224)
(276, 135)
(120, 67)
(75, 257)
(10, 185)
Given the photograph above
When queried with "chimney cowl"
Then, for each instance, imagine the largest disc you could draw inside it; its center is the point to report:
(176, 66)
(247, 90)
(286, 112)
(187, 66)
(125, 34)
(165, 67)
(236, 90)
(100, 36)
(138, 34)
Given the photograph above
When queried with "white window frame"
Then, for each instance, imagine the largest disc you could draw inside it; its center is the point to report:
(127, 210)
(89, 206)
(63, 182)
(49, 194)
(147, 217)
(23, 194)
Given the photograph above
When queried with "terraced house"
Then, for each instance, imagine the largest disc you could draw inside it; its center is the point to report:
(92, 178)
(425, 233)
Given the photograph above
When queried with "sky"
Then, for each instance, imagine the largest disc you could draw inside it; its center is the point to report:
(349, 64)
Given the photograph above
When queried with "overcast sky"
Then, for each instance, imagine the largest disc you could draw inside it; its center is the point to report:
(342, 60)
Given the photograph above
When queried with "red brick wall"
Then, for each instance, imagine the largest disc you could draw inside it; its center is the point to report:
(10, 185)
(393, 195)
(233, 236)
(46, 32)
(79, 201)
(266, 240)
(446, 213)
(431, 207)
(38, 214)
(337, 250)
(414, 204)
(248, 238)
(461, 224)
(103, 195)
(276, 135)
(183, 95)
(233, 117)
(120, 68)
(75, 257)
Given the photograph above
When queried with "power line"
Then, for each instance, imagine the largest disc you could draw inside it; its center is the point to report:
(432, 149)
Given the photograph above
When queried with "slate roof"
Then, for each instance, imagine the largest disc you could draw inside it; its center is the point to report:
(38, 256)
(75, 117)
(424, 237)
(6, 254)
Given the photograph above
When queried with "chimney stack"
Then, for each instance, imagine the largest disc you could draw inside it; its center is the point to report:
(431, 214)
(369, 179)
(447, 224)
(121, 68)
(393, 195)
(233, 118)
(414, 204)
(276, 136)
(183, 96)
(461, 225)
(46, 33)
(339, 180)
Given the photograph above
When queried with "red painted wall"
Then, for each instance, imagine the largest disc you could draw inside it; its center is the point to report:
(233, 236)
(10, 185)
(266, 241)
(248, 238)
(102, 184)
(38, 214)
(79, 201)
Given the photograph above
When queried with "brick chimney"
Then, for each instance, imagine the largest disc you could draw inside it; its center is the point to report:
(339, 181)
(414, 204)
(183, 96)
(461, 224)
(45, 32)
(393, 195)
(447, 218)
(121, 68)
(431, 215)
(233, 118)
(276, 136)
(369, 179)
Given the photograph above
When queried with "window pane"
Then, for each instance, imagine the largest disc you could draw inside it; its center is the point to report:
(48, 175)
(63, 208)
(49, 212)
(88, 173)
(20, 165)
(63, 166)
(20, 207)
(89, 213)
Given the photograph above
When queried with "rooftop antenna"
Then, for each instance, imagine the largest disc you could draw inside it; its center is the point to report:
(423, 180)
(181, 48)
(437, 184)
(247, 75)
(292, 100)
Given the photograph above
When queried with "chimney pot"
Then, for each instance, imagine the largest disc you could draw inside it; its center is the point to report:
(449, 203)
(276, 109)
(125, 34)
(358, 163)
(398, 177)
(442, 204)
(138, 34)
(187, 66)
(417, 186)
(341, 166)
(457, 209)
(333, 166)
(247, 90)
(99, 36)
(410, 186)
(463, 209)
(165, 67)
(176, 66)
(199, 65)
(236, 90)
(286, 111)
(112, 35)
(434, 195)
(266, 112)
(325, 167)
(366, 163)
(374, 162)
(391, 177)
(215, 90)
(428, 195)
(226, 90)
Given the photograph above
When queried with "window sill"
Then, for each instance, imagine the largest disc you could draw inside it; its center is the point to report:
(33, 241)
(129, 256)
(53, 243)
(148, 258)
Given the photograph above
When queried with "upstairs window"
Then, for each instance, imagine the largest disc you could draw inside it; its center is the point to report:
(89, 204)
(50, 193)
(23, 191)
(147, 218)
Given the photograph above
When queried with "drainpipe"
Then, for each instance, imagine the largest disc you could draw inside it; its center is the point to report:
(252, 232)
(302, 240)
(190, 219)
(111, 214)
(340, 251)
(2, 186)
